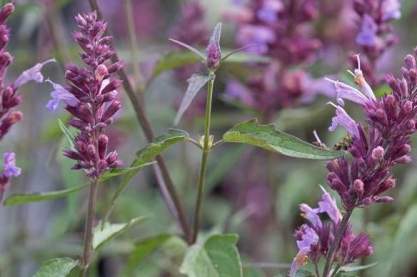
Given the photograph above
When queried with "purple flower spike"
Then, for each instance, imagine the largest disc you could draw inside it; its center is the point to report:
(343, 119)
(9, 166)
(32, 74)
(60, 94)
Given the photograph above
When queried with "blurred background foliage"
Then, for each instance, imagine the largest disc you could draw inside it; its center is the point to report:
(249, 192)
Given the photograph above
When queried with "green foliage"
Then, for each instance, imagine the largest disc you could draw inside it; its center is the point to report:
(106, 231)
(216, 257)
(20, 199)
(58, 267)
(268, 137)
(69, 134)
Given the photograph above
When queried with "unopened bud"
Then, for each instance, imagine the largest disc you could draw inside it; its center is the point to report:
(101, 72)
(358, 187)
(408, 106)
(378, 153)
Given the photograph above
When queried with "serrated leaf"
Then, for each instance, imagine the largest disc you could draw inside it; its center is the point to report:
(58, 267)
(144, 248)
(195, 84)
(216, 257)
(69, 135)
(268, 137)
(105, 232)
(20, 199)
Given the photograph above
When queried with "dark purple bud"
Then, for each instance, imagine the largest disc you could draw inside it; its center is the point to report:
(103, 140)
(111, 110)
(213, 50)
(358, 187)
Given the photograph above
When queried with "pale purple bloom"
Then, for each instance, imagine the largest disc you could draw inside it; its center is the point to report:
(60, 94)
(237, 91)
(391, 9)
(260, 36)
(32, 74)
(343, 119)
(308, 238)
(9, 165)
(327, 204)
(213, 51)
(269, 11)
(311, 215)
(367, 35)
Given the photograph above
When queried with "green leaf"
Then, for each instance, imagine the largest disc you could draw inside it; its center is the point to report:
(144, 248)
(58, 267)
(144, 157)
(352, 268)
(105, 232)
(216, 257)
(20, 199)
(122, 171)
(69, 135)
(195, 83)
(160, 144)
(268, 137)
(172, 61)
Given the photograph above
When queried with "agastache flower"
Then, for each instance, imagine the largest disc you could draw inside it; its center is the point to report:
(343, 119)
(315, 237)
(90, 97)
(9, 170)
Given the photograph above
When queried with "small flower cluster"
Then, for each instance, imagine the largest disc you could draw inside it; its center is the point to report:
(375, 34)
(282, 31)
(9, 97)
(376, 147)
(91, 97)
(315, 237)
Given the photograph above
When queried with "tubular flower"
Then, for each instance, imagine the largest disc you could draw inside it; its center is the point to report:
(315, 237)
(90, 97)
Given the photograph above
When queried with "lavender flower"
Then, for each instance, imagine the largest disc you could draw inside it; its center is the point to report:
(90, 97)
(315, 237)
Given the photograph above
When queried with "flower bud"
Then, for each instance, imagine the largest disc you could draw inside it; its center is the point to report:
(410, 61)
(101, 72)
(408, 106)
(358, 187)
(103, 140)
(377, 153)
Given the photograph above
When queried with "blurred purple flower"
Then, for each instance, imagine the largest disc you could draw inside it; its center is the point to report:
(391, 9)
(9, 165)
(258, 36)
(367, 35)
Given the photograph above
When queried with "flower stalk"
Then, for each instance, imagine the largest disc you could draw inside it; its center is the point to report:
(89, 224)
(207, 145)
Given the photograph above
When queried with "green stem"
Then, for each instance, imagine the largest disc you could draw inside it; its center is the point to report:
(336, 244)
(203, 167)
(89, 224)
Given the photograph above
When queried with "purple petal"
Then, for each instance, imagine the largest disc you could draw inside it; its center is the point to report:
(367, 35)
(311, 215)
(60, 94)
(343, 119)
(327, 204)
(9, 166)
(32, 74)
(269, 11)
(344, 91)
